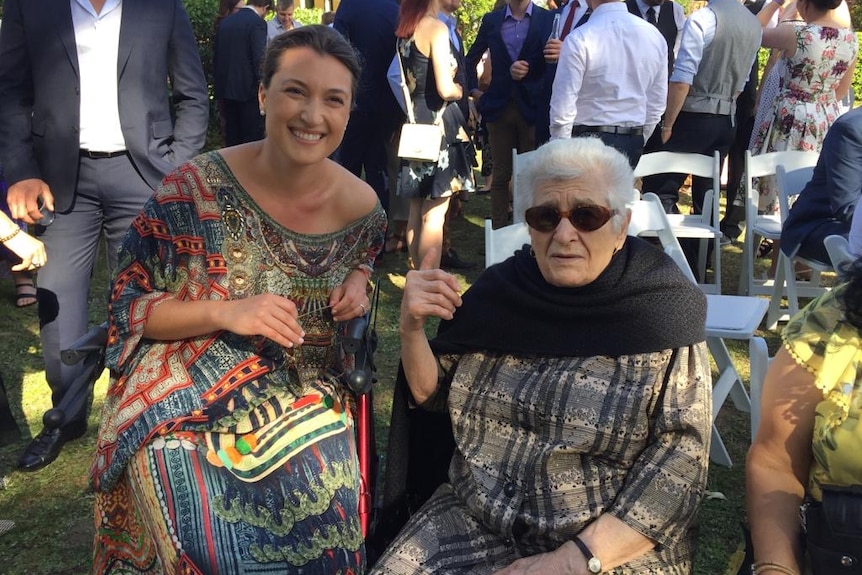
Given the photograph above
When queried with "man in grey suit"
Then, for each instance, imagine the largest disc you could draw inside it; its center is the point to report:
(86, 129)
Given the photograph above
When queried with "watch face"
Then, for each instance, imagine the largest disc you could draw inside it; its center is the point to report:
(594, 565)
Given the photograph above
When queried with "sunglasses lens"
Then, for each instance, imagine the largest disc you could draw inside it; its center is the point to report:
(589, 218)
(542, 218)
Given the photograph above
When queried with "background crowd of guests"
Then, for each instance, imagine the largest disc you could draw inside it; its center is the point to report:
(237, 268)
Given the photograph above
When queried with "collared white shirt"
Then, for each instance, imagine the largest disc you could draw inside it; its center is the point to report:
(697, 35)
(580, 10)
(97, 38)
(612, 71)
(678, 12)
(451, 23)
(678, 17)
(274, 27)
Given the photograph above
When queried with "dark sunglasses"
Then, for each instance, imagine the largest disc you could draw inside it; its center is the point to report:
(583, 218)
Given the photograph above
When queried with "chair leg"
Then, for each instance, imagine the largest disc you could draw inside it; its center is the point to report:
(716, 265)
(792, 292)
(773, 315)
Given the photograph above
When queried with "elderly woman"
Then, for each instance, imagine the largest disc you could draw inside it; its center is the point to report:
(807, 449)
(577, 382)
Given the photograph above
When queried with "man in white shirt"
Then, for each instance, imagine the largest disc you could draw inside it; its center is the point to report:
(611, 80)
(283, 20)
(87, 129)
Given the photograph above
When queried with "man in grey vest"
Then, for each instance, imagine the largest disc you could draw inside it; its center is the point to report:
(718, 46)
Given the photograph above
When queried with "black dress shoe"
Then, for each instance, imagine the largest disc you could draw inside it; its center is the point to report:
(46, 446)
(451, 260)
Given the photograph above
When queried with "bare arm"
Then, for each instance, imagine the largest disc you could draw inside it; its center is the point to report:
(778, 461)
(441, 60)
(29, 249)
(427, 293)
(676, 94)
(267, 315)
(627, 544)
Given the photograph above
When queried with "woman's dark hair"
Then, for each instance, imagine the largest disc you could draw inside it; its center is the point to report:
(409, 15)
(225, 8)
(852, 298)
(825, 4)
(322, 39)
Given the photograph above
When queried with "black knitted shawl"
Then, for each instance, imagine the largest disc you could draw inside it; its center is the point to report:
(640, 303)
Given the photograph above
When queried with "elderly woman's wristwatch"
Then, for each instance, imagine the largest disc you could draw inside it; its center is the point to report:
(593, 563)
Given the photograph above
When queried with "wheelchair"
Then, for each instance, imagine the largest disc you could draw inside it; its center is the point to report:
(359, 340)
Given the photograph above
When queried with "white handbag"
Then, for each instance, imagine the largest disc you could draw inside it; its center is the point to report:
(418, 142)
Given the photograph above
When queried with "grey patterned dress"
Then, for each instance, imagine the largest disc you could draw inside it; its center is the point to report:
(544, 445)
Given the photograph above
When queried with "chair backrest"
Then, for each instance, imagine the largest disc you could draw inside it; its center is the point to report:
(685, 163)
(648, 215)
(838, 248)
(767, 164)
(790, 182)
(503, 242)
(759, 357)
(518, 199)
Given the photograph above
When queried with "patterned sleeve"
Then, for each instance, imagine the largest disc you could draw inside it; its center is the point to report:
(160, 258)
(665, 486)
(373, 236)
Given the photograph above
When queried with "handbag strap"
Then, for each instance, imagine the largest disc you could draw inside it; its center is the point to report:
(408, 101)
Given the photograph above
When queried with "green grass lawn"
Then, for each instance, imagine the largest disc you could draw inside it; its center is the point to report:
(53, 508)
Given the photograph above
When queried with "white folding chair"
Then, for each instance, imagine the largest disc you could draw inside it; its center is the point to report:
(503, 242)
(703, 226)
(766, 225)
(790, 184)
(519, 201)
(838, 248)
(727, 317)
(758, 354)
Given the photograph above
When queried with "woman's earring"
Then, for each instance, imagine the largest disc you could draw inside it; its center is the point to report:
(262, 112)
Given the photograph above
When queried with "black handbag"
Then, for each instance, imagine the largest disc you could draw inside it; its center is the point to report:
(833, 531)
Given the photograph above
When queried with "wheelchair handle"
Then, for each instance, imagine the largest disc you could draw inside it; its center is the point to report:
(92, 341)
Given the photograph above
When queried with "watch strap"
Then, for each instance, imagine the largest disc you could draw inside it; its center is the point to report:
(593, 563)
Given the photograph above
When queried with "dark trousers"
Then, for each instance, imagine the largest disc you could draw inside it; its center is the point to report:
(363, 149)
(692, 133)
(9, 431)
(630, 145)
(734, 213)
(508, 131)
(242, 121)
(110, 193)
(812, 247)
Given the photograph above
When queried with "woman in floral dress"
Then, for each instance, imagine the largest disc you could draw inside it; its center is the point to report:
(817, 69)
(429, 67)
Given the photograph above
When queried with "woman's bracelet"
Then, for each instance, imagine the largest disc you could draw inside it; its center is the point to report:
(14, 233)
(666, 128)
(764, 566)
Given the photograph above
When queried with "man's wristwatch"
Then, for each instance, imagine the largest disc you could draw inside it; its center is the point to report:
(594, 565)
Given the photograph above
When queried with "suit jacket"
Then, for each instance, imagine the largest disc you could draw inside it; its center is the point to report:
(835, 186)
(40, 91)
(238, 49)
(370, 26)
(527, 92)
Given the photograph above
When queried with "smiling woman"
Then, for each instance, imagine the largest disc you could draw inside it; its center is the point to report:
(226, 443)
